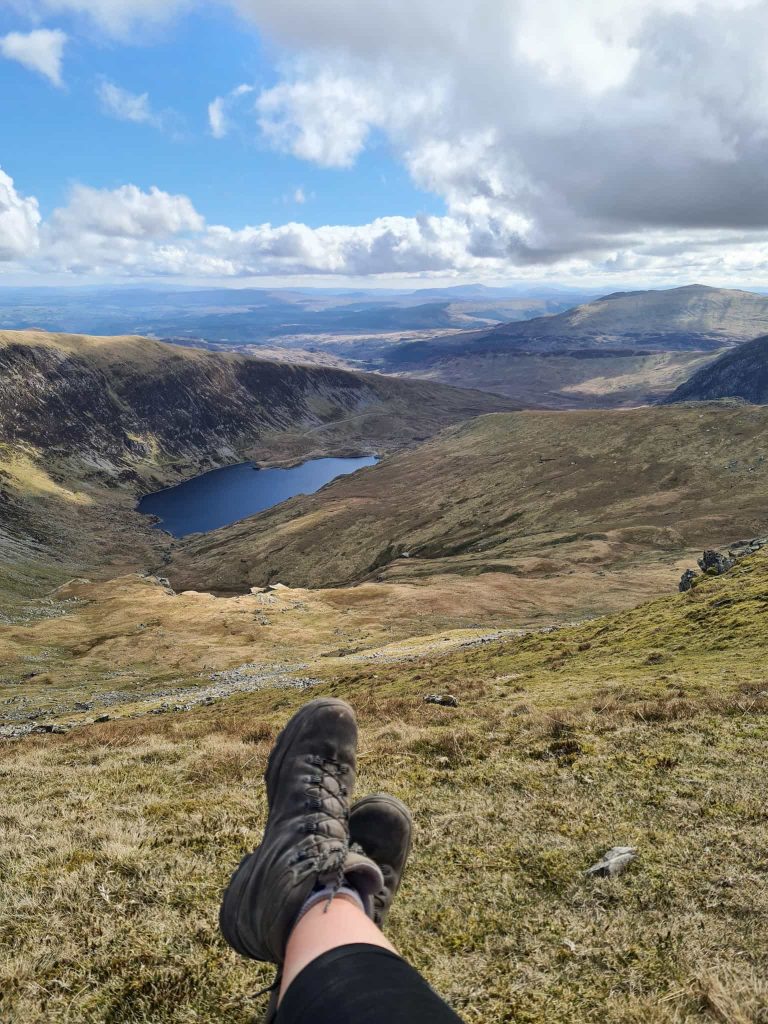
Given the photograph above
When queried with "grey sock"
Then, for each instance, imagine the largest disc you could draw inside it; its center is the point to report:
(326, 894)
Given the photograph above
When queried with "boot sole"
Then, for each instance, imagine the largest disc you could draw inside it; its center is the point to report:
(235, 893)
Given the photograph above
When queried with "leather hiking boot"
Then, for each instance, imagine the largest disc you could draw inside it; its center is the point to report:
(309, 776)
(381, 826)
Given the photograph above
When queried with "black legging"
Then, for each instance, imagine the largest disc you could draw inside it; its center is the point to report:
(362, 984)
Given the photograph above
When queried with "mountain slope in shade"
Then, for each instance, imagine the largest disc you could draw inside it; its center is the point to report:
(131, 400)
(741, 373)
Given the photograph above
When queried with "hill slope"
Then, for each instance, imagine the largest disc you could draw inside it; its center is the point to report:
(130, 399)
(619, 350)
(742, 373)
(87, 423)
(535, 495)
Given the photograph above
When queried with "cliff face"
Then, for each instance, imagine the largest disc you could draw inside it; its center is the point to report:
(742, 373)
(126, 400)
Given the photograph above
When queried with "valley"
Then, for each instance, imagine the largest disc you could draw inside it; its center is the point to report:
(89, 424)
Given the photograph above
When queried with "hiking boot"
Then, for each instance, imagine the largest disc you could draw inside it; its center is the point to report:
(381, 826)
(310, 774)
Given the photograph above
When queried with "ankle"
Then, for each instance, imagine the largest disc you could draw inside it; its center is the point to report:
(327, 893)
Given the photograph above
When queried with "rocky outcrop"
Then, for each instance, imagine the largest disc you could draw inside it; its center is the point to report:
(686, 580)
(716, 563)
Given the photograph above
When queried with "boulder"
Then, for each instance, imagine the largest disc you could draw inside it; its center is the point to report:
(446, 700)
(686, 580)
(715, 563)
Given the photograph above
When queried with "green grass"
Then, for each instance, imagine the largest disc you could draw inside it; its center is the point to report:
(647, 729)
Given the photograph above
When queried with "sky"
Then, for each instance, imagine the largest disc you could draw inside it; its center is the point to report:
(603, 144)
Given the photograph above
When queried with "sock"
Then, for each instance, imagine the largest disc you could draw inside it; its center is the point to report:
(326, 894)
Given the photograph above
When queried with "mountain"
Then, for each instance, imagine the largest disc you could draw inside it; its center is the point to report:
(87, 424)
(740, 373)
(545, 498)
(624, 349)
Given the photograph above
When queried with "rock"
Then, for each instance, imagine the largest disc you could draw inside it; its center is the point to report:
(102, 718)
(613, 863)
(686, 580)
(57, 730)
(446, 700)
(715, 563)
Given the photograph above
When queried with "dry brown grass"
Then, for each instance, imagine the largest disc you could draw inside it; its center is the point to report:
(117, 839)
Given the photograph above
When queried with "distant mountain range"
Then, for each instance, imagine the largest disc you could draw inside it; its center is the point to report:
(740, 373)
(235, 317)
(540, 348)
(623, 349)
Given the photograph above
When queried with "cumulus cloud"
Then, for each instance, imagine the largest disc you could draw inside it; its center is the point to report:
(125, 105)
(19, 222)
(550, 128)
(608, 137)
(41, 50)
(325, 119)
(125, 212)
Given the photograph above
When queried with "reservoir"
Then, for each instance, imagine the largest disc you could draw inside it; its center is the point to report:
(226, 495)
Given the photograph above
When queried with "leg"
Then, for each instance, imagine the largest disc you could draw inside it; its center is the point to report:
(339, 969)
(326, 927)
(310, 898)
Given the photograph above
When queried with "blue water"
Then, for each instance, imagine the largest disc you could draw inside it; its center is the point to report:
(225, 495)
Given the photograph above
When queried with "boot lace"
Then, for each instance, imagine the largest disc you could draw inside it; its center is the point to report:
(328, 805)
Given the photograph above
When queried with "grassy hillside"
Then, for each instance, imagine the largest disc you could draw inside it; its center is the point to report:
(569, 380)
(87, 424)
(741, 374)
(645, 729)
(553, 498)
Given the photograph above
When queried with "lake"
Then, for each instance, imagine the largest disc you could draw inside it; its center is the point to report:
(226, 495)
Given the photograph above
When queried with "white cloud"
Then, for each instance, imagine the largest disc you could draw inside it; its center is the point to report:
(220, 107)
(123, 213)
(299, 196)
(41, 50)
(126, 106)
(603, 138)
(216, 118)
(19, 222)
(116, 17)
(549, 127)
(325, 119)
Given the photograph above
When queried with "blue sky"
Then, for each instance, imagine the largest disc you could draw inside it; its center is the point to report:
(54, 137)
(607, 144)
